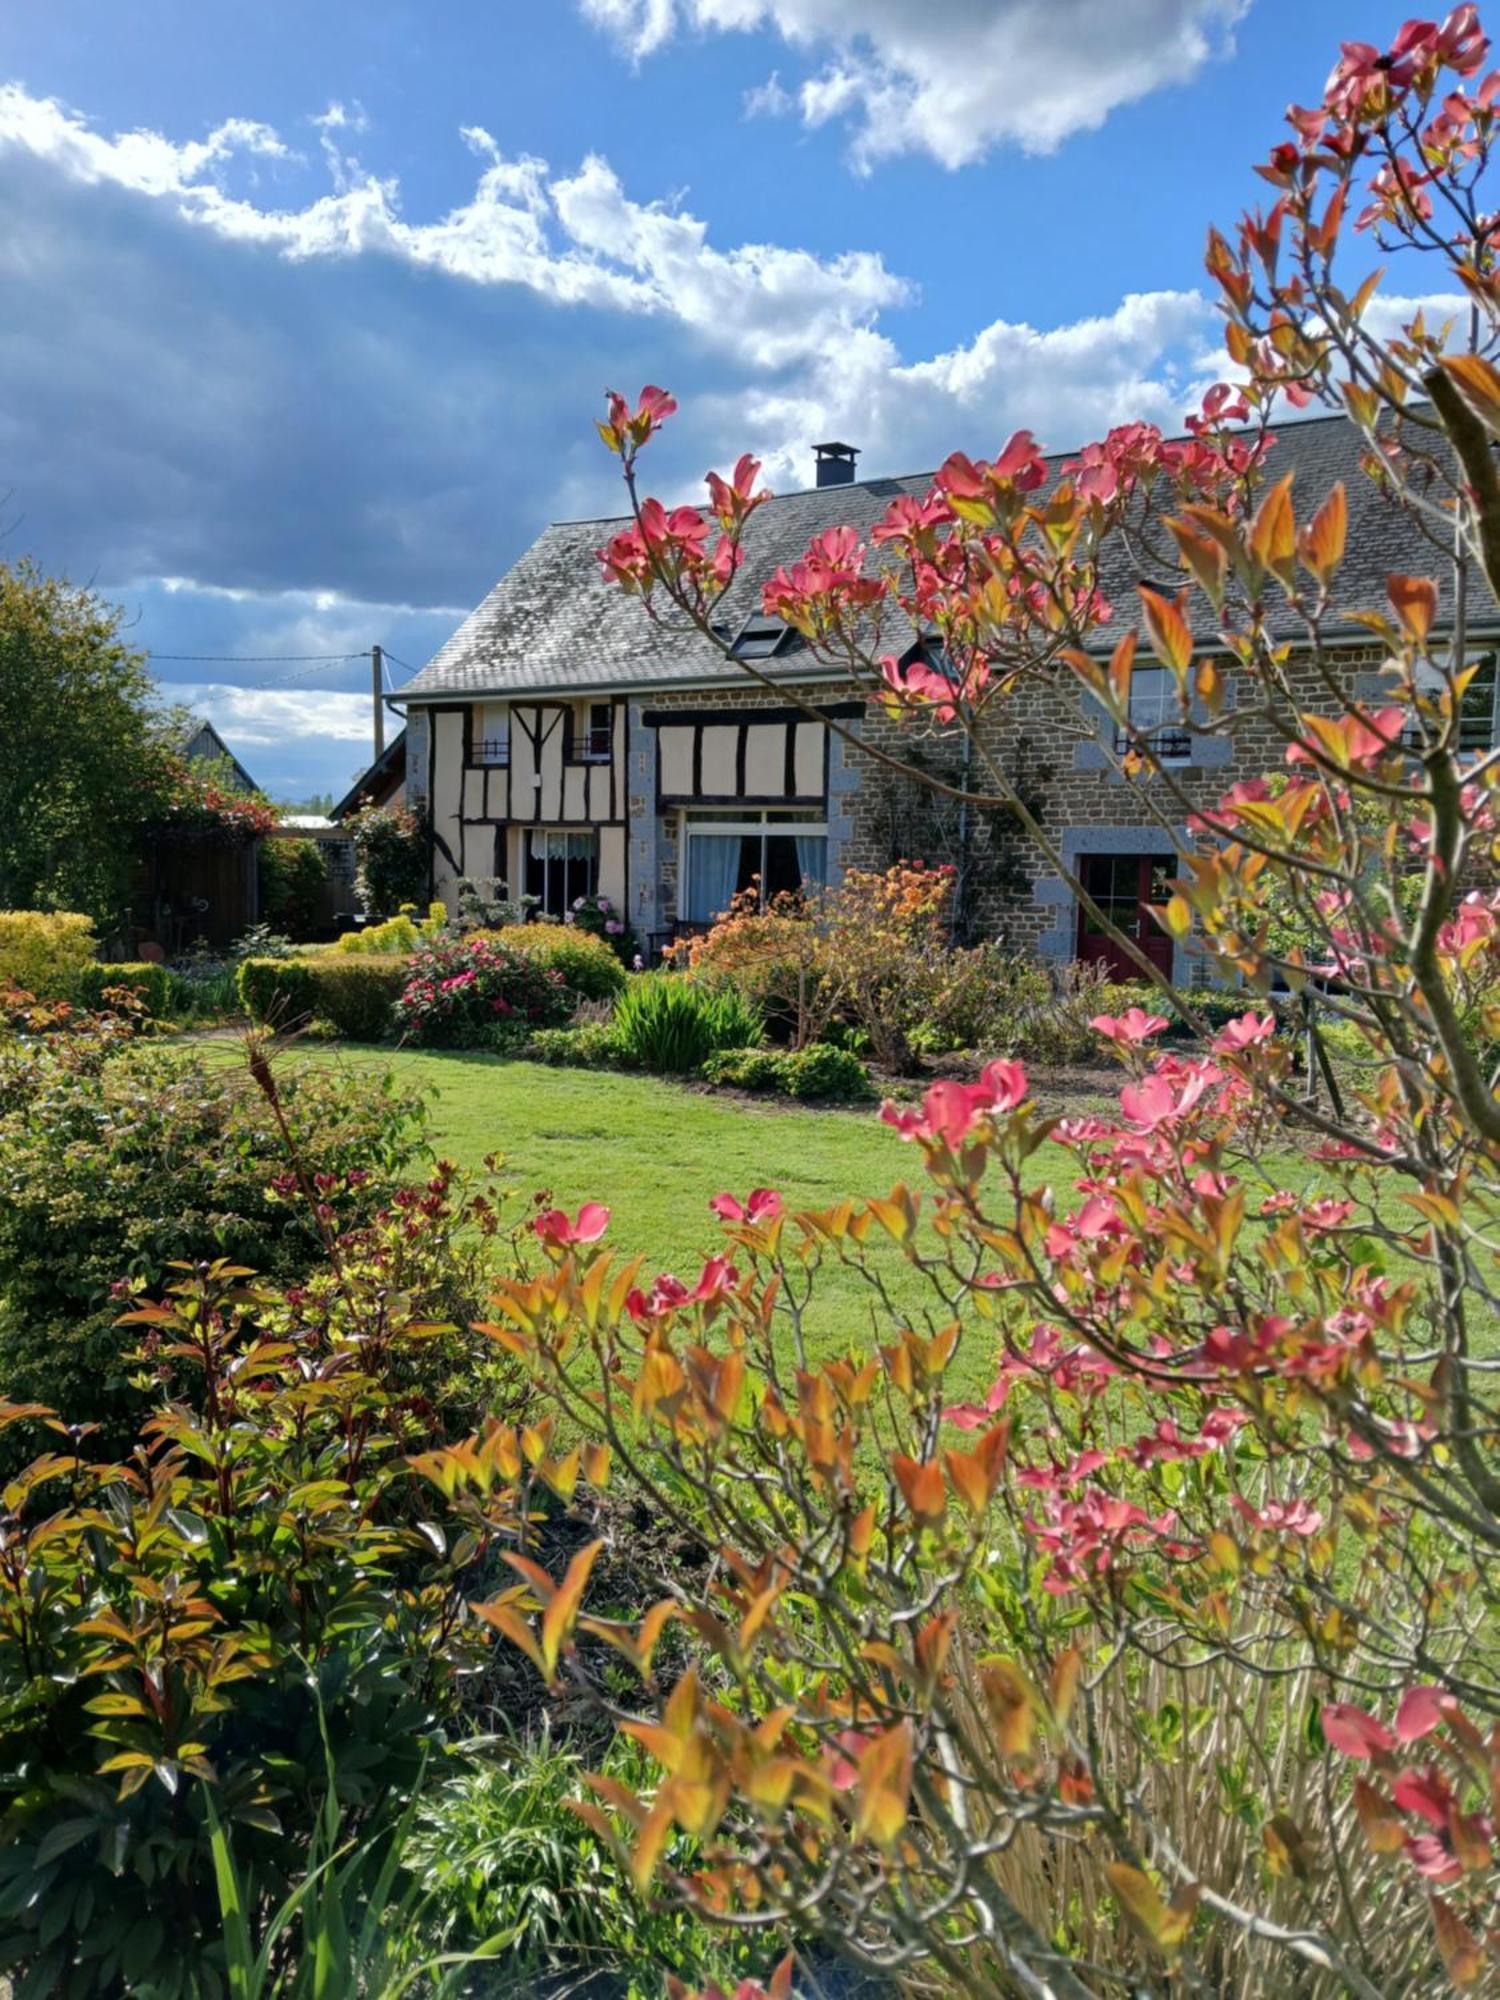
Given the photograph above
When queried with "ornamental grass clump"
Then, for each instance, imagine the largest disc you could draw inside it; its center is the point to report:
(472, 991)
(672, 1025)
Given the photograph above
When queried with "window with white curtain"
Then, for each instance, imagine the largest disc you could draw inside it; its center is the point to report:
(724, 853)
(561, 865)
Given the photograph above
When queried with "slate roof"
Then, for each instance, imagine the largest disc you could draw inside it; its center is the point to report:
(551, 625)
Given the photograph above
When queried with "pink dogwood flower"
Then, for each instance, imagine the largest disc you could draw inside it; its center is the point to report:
(556, 1226)
(764, 1205)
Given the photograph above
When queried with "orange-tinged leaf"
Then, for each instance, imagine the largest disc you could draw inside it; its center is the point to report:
(510, 1625)
(884, 1786)
(1062, 1684)
(561, 1614)
(1012, 1706)
(922, 1487)
(648, 1847)
(1414, 601)
(1321, 547)
(1168, 630)
(1121, 665)
(1273, 532)
(1139, 1897)
(1463, 1959)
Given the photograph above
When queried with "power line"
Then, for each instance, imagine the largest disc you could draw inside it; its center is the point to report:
(396, 659)
(261, 659)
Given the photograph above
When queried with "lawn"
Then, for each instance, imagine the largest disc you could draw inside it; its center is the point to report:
(656, 1152)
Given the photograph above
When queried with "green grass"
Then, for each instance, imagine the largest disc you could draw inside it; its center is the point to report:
(655, 1152)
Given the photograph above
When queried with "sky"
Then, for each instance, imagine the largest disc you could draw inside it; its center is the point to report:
(309, 306)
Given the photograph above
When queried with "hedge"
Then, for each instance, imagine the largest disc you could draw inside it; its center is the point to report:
(151, 985)
(354, 995)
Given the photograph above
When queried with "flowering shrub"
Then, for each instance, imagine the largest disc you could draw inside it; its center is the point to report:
(588, 965)
(1111, 1672)
(872, 951)
(472, 991)
(191, 799)
(599, 917)
(45, 951)
(392, 865)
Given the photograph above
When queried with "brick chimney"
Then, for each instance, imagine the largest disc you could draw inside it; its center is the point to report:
(835, 463)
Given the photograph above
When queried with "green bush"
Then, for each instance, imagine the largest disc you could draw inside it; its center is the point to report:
(592, 1045)
(588, 965)
(44, 952)
(469, 991)
(745, 1069)
(818, 1071)
(671, 1024)
(151, 985)
(277, 991)
(356, 996)
(163, 1156)
(293, 882)
(392, 865)
(290, 1718)
(498, 1852)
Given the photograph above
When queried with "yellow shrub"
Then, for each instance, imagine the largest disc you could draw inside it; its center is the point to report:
(45, 951)
(402, 933)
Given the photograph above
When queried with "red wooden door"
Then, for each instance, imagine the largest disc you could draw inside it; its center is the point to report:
(1124, 886)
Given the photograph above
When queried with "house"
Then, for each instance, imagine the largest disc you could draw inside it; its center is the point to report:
(202, 744)
(564, 743)
(383, 784)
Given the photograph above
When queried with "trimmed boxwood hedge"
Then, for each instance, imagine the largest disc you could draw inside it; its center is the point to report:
(354, 994)
(151, 985)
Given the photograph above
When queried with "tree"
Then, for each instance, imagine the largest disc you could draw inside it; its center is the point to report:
(84, 751)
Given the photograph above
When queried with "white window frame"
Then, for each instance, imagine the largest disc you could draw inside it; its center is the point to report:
(1430, 681)
(1167, 720)
(757, 820)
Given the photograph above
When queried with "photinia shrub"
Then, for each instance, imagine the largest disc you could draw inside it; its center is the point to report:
(1124, 1614)
(472, 991)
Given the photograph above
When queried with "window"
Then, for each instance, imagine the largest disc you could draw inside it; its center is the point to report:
(761, 639)
(561, 866)
(1156, 717)
(491, 743)
(730, 851)
(595, 738)
(1476, 715)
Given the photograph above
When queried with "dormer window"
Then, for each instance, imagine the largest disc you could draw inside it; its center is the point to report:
(761, 639)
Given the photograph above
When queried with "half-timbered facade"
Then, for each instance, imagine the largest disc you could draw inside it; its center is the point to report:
(566, 745)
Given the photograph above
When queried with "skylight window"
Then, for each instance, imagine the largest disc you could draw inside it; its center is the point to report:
(761, 639)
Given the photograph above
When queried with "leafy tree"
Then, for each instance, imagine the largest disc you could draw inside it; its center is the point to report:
(84, 751)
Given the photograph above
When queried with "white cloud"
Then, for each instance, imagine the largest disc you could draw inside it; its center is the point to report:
(769, 99)
(952, 78)
(251, 719)
(576, 240)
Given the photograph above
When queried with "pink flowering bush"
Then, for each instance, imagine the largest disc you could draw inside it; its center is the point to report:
(471, 991)
(1110, 1605)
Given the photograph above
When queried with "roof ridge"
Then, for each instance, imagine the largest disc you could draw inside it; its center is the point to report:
(899, 478)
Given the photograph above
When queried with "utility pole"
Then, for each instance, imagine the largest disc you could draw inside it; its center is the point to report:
(377, 695)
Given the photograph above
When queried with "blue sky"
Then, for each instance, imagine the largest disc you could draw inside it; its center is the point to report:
(309, 308)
